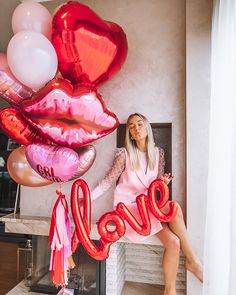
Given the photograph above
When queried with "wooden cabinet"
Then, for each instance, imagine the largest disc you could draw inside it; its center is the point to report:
(8, 266)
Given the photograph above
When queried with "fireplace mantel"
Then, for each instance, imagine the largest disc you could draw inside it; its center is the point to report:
(22, 224)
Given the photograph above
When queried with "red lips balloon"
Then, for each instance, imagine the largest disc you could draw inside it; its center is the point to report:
(88, 48)
(16, 127)
(69, 116)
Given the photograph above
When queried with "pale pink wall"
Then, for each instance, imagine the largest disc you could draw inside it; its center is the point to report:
(152, 82)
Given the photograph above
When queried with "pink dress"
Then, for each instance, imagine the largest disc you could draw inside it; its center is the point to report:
(131, 184)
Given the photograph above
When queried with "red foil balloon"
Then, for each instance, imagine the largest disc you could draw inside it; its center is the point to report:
(11, 89)
(111, 235)
(69, 116)
(88, 48)
(156, 205)
(142, 203)
(118, 216)
(83, 225)
(16, 127)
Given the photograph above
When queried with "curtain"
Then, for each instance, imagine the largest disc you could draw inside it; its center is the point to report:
(220, 235)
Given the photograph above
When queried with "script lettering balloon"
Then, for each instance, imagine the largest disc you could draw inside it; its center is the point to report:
(83, 224)
(89, 49)
(54, 163)
(156, 205)
(20, 170)
(69, 115)
(117, 217)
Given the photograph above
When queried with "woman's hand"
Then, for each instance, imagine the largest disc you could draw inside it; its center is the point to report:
(167, 177)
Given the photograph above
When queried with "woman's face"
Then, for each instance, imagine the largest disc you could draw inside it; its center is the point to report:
(137, 128)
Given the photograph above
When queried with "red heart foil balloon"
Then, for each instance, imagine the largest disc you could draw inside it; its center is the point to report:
(88, 48)
(16, 127)
(69, 116)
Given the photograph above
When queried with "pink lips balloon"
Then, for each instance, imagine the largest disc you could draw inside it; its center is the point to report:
(54, 163)
(69, 115)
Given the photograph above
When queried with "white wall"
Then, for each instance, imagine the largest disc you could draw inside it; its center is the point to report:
(198, 30)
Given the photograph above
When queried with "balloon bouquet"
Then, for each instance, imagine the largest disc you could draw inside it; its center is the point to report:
(49, 77)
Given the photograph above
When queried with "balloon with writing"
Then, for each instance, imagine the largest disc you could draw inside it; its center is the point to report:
(20, 170)
(54, 163)
(117, 217)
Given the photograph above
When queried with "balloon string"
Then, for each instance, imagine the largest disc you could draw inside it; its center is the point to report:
(60, 189)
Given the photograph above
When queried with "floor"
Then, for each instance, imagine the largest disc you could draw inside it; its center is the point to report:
(132, 288)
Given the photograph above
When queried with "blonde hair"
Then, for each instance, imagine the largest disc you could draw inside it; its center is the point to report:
(131, 146)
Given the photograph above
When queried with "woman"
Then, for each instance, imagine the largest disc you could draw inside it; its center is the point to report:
(135, 167)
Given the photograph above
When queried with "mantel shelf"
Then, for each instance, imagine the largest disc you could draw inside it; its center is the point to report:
(22, 224)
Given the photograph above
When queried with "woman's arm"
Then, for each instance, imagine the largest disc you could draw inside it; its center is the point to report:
(112, 176)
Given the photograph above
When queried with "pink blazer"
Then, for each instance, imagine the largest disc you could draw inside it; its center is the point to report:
(131, 184)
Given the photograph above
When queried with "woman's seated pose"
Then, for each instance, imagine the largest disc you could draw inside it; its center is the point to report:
(134, 168)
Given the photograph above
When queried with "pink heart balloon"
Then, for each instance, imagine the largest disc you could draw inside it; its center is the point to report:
(54, 163)
(20, 170)
(87, 155)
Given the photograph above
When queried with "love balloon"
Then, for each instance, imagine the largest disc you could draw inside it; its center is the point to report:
(118, 217)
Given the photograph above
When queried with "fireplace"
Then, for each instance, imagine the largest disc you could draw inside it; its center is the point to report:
(87, 278)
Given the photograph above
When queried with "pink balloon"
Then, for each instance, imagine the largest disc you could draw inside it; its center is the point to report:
(32, 59)
(69, 115)
(32, 16)
(11, 89)
(54, 163)
(87, 155)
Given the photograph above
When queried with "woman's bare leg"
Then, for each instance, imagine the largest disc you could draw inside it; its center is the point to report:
(170, 258)
(178, 227)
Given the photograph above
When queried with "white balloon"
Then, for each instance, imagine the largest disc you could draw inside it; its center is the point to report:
(32, 16)
(32, 59)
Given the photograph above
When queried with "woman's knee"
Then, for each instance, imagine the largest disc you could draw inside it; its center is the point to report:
(179, 213)
(173, 243)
